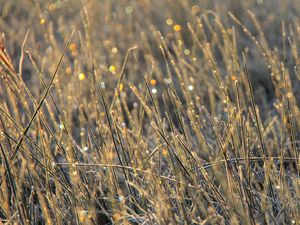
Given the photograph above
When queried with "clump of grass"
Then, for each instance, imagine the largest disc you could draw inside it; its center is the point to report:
(186, 116)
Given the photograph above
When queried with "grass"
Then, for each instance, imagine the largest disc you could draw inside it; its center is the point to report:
(149, 112)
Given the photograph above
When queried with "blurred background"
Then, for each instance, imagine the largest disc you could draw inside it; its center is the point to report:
(110, 27)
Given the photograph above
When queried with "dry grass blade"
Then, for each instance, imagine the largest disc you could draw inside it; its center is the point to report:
(12, 184)
(16, 149)
(164, 112)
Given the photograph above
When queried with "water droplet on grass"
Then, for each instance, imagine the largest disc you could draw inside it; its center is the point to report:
(154, 91)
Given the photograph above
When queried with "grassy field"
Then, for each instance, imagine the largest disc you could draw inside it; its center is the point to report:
(149, 112)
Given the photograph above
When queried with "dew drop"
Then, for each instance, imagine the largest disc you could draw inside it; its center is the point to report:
(190, 87)
(154, 90)
(61, 126)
